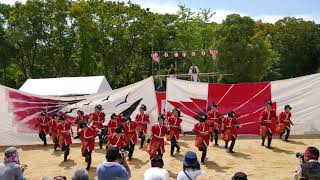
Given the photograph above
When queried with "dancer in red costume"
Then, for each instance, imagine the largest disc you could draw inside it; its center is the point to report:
(214, 120)
(229, 124)
(201, 129)
(266, 118)
(97, 119)
(284, 122)
(64, 132)
(174, 123)
(130, 130)
(43, 124)
(158, 132)
(142, 120)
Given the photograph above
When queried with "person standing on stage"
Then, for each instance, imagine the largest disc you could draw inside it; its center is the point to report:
(158, 132)
(64, 132)
(54, 122)
(118, 138)
(130, 131)
(172, 71)
(229, 124)
(142, 120)
(87, 136)
(81, 117)
(201, 129)
(266, 118)
(43, 124)
(214, 120)
(193, 72)
(98, 118)
(174, 123)
(285, 118)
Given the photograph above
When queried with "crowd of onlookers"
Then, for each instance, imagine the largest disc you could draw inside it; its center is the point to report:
(116, 167)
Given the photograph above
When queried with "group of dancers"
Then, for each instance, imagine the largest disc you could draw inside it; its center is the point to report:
(122, 132)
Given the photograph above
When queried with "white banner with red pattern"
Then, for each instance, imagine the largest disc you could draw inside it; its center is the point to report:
(19, 110)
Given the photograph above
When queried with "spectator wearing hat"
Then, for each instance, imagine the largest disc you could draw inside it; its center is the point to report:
(80, 174)
(97, 119)
(191, 167)
(229, 123)
(201, 129)
(158, 132)
(11, 169)
(309, 167)
(115, 166)
(64, 132)
(174, 123)
(239, 176)
(130, 131)
(193, 72)
(156, 172)
(266, 118)
(142, 119)
(43, 124)
(285, 118)
(214, 120)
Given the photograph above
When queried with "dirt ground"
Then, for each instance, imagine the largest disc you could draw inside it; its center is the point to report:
(257, 161)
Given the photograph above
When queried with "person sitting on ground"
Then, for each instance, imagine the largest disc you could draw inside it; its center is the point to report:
(11, 169)
(156, 172)
(309, 167)
(191, 167)
(115, 165)
(80, 174)
(239, 176)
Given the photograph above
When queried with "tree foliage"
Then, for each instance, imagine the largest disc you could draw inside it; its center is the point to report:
(56, 38)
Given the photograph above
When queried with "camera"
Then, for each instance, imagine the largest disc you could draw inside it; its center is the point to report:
(300, 155)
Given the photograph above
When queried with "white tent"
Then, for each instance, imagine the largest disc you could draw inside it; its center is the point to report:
(66, 86)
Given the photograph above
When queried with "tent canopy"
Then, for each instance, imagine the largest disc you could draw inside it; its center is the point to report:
(66, 86)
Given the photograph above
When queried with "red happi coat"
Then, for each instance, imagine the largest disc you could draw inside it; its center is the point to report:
(98, 119)
(88, 138)
(229, 124)
(43, 124)
(285, 118)
(266, 118)
(54, 131)
(112, 125)
(130, 131)
(79, 119)
(157, 138)
(174, 124)
(64, 132)
(202, 131)
(213, 119)
(117, 140)
(142, 121)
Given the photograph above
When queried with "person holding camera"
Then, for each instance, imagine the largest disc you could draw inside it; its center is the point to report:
(266, 118)
(87, 135)
(115, 166)
(309, 167)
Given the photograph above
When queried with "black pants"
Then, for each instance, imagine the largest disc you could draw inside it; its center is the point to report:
(287, 132)
(269, 139)
(42, 136)
(56, 144)
(143, 138)
(216, 136)
(204, 152)
(130, 148)
(233, 142)
(88, 158)
(100, 140)
(174, 145)
(66, 152)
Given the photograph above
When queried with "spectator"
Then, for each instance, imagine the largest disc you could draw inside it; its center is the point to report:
(172, 71)
(239, 176)
(60, 178)
(193, 72)
(309, 167)
(115, 166)
(156, 172)
(191, 167)
(11, 169)
(80, 174)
